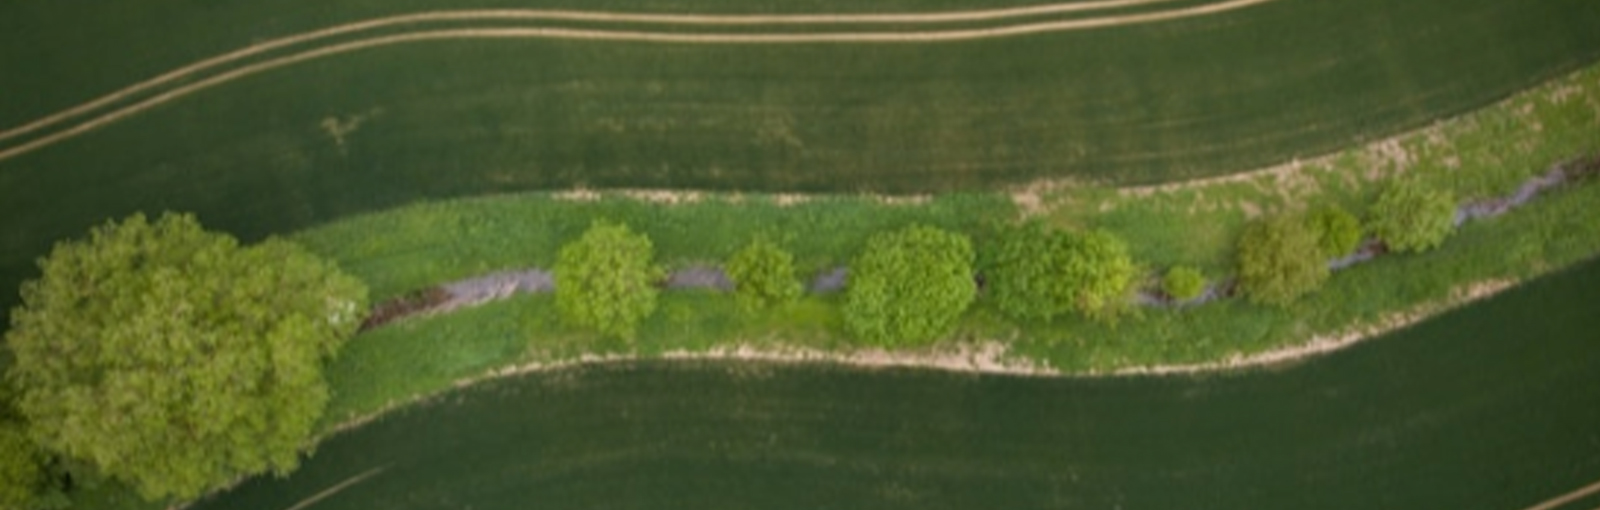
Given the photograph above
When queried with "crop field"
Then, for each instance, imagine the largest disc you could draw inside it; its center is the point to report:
(276, 140)
(1415, 420)
(415, 142)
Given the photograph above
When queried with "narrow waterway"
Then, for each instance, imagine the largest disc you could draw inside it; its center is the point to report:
(1493, 406)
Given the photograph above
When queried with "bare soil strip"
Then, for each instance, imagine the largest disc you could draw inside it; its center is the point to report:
(891, 37)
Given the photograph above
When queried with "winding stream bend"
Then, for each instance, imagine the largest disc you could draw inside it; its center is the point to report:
(1493, 406)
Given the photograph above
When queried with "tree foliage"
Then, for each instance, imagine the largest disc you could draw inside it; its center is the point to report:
(763, 275)
(1338, 232)
(1183, 283)
(1036, 273)
(174, 359)
(605, 280)
(22, 476)
(909, 286)
(1280, 260)
(1411, 218)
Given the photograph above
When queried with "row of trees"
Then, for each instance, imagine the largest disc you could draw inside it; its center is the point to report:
(906, 286)
(1284, 257)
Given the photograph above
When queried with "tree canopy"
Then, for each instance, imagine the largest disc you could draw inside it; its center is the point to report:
(22, 478)
(1036, 273)
(763, 275)
(1338, 232)
(605, 280)
(909, 286)
(1411, 218)
(1183, 283)
(174, 359)
(1280, 260)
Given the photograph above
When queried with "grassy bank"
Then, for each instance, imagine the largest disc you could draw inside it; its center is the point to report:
(1484, 154)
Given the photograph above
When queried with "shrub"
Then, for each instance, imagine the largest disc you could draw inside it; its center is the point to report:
(605, 280)
(1035, 273)
(1411, 218)
(1183, 283)
(1338, 232)
(763, 275)
(1279, 261)
(174, 359)
(909, 286)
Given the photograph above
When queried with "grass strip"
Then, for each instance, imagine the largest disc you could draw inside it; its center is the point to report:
(1487, 153)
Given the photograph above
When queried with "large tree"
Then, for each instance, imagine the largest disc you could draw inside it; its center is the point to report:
(24, 483)
(909, 286)
(1412, 218)
(1037, 273)
(173, 358)
(605, 280)
(1280, 260)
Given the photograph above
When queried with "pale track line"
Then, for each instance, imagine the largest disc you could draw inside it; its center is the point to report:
(1567, 498)
(630, 36)
(336, 488)
(568, 15)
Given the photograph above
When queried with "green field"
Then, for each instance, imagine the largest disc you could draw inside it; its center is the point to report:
(412, 164)
(1144, 103)
(1489, 407)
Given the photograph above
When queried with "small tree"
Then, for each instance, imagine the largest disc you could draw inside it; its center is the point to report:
(1102, 272)
(763, 275)
(1279, 261)
(1338, 232)
(1036, 273)
(1183, 283)
(605, 280)
(1411, 218)
(174, 359)
(909, 286)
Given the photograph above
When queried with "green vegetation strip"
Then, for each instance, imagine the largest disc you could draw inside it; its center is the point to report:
(1486, 408)
(1485, 154)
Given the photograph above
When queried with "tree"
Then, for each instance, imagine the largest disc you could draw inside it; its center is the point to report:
(1338, 232)
(1411, 218)
(605, 280)
(22, 477)
(1036, 273)
(1102, 272)
(909, 286)
(763, 275)
(1279, 261)
(174, 359)
(1183, 283)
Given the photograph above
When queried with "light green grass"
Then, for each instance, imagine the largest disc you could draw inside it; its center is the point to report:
(1491, 151)
(425, 244)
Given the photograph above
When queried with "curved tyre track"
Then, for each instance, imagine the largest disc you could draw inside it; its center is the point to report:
(660, 37)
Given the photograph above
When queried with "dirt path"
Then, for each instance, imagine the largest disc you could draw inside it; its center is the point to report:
(862, 37)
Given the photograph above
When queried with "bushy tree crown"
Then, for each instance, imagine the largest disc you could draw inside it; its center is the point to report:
(174, 359)
(605, 280)
(909, 286)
